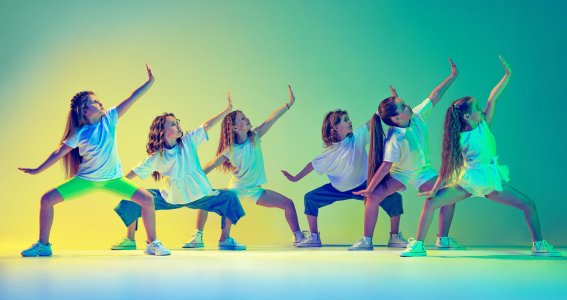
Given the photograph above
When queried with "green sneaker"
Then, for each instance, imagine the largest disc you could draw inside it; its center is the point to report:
(125, 244)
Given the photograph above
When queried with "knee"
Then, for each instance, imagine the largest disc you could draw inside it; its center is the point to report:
(308, 198)
(145, 199)
(288, 205)
(529, 205)
(48, 199)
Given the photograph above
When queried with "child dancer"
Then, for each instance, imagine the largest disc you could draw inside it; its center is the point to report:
(240, 151)
(173, 156)
(344, 160)
(469, 156)
(90, 158)
(403, 159)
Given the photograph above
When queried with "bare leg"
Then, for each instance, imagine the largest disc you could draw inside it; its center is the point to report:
(445, 213)
(146, 201)
(312, 220)
(46, 214)
(512, 197)
(446, 196)
(226, 230)
(272, 199)
(372, 203)
(202, 216)
(395, 224)
(131, 230)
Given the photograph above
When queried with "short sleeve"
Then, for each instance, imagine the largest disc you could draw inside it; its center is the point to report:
(424, 108)
(362, 134)
(392, 149)
(145, 168)
(112, 115)
(197, 136)
(73, 140)
(321, 163)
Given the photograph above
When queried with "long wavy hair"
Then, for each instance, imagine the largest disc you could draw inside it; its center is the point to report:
(328, 133)
(227, 138)
(386, 110)
(156, 139)
(75, 120)
(451, 157)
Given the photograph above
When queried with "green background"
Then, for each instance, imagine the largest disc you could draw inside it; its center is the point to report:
(335, 54)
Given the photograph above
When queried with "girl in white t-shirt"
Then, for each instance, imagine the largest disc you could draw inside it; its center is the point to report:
(90, 157)
(240, 152)
(403, 158)
(344, 161)
(470, 168)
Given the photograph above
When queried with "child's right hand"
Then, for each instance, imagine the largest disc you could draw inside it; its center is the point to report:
(289, 176)
(429, 194)
(454, 71)
(393, 90)
(151, 77)
(506, 66)
(229, 108)
(30, 171)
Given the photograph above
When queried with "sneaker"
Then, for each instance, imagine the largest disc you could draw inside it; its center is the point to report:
(125, 244)
(231, 244)
(415, 248)
(157, 249)
(298, 237)
(196, 241)
(312, 240)
(361, 245)
(447, 243)
(37, 249)
(542, 248)
(397, 241)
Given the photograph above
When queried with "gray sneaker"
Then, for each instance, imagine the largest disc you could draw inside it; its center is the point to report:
(312, 240)
(196, 241)
(157, 249)
(447, 243)
(397, 241)
(361, 245)
(231, 244)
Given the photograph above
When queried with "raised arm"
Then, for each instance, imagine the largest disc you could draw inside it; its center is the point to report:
(123, 107)
(496, 91)
(382, 171)
(214, 120)
(264, 127)
(394, 94)
(213, 163)
(306, 170)
(131, 175)
(53, 158)
(440, 90)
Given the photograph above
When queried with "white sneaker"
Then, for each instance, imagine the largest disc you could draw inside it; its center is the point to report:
(157, 249)
(231, 244)
(298, 238)
(311, 241)
(542, 248)
(415, 248)
(447, 243)
(361, 245)
(397, 241)
(196, 241)
(37, 249)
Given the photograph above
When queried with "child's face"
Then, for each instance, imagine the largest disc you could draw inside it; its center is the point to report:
(93, 108)
(344, 127)
(476, 114)
(403, 113)
(172, 129)
(242, 123)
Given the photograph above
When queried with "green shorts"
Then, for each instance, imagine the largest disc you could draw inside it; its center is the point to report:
(75, 187)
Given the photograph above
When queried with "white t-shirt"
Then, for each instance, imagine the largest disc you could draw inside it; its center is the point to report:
(345, 162)
(407, 148)
(248, 160)
(184, 179)
(97, 146)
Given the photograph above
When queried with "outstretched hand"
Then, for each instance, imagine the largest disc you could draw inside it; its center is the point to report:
(150, 74)
(29, 170)
(291, 96)
(289, 176)
(454, 71)
(229, 108)
(393, 90)
(506, 65)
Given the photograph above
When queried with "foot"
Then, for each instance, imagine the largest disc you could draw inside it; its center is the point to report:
(196, 241)
(361, 245)
(37, 249)
(231, 244)
(447, 243)
(298, 237)
(542, 248)
(311, 241)
(414, 248)
(125, 244)
(397, 240)
(157, 249)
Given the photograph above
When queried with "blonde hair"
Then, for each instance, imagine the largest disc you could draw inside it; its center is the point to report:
(157, 140)
(227, 138)
(75, 120)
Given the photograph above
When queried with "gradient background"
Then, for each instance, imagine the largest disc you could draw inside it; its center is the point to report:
(336, 54)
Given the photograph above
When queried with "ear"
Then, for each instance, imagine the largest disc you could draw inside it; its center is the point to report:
(467, 116)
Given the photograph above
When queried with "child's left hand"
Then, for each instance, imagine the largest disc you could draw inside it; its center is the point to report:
(229, 108)
(291, 96)
(363, 193)
(151, 77)
(506, 66)
(29, 170)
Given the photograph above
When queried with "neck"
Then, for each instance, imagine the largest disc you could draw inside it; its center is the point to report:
(94, 120)
(170, 143)
(342, 136)
(241, 137)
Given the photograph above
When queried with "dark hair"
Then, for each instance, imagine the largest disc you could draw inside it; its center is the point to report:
(156, 138)
(331, 119)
